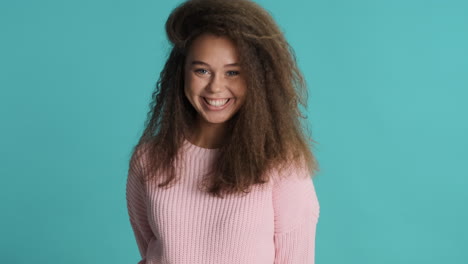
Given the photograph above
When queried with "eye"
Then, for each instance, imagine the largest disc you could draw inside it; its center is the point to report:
(232, 73)
(201, 71)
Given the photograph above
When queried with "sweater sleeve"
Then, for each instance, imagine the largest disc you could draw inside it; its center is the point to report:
(296, 210)
(136, 205)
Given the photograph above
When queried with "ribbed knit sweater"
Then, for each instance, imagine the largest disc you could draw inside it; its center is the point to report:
(273, 224)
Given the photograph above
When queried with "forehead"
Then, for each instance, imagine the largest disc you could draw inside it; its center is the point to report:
(213, 48)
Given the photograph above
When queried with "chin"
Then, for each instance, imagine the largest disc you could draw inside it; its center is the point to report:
(213, 119)
(216, 121)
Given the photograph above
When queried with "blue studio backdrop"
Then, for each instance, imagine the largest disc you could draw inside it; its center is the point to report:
(387, 82)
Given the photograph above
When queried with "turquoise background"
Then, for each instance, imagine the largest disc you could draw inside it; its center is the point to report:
(388, 84)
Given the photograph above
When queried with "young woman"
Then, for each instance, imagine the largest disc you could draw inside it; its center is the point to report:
(222, 172)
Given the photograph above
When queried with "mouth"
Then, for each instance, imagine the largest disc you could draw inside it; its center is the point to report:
(217, 104)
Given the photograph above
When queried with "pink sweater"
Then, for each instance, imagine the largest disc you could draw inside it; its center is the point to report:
(274, 224)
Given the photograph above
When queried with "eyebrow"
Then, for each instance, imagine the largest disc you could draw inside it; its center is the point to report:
(196, 62)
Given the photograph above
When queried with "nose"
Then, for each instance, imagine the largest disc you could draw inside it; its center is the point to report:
(216, 84)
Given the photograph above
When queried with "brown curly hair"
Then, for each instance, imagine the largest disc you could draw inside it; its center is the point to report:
(266, 133)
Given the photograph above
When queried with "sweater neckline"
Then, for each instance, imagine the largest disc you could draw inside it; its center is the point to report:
(199, 150)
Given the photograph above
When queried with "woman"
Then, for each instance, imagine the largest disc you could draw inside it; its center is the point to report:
(222, 171)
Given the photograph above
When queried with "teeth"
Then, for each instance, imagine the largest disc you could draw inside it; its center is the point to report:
(217, 102)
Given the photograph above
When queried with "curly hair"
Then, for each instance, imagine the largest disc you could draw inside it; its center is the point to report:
(266, 133)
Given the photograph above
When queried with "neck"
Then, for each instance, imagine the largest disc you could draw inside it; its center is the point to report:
(208, 135)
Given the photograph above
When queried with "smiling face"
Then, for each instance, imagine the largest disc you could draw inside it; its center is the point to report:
(214, 82)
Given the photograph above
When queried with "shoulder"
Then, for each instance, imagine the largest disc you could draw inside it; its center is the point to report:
(292, 172)
(293, 178)
(138, 159)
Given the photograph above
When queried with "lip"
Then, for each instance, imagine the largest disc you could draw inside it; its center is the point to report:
(216, 98)
(214, 108)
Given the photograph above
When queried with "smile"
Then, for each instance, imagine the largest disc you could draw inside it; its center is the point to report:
(218, 104)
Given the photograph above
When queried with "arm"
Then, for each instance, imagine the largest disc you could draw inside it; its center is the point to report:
(296, 215)
(136, 205)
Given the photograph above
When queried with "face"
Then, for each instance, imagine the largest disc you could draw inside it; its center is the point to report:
(214, 82)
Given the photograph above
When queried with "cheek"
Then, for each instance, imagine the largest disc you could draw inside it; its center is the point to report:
(188, 85)
(193, 85)
(241, 90)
